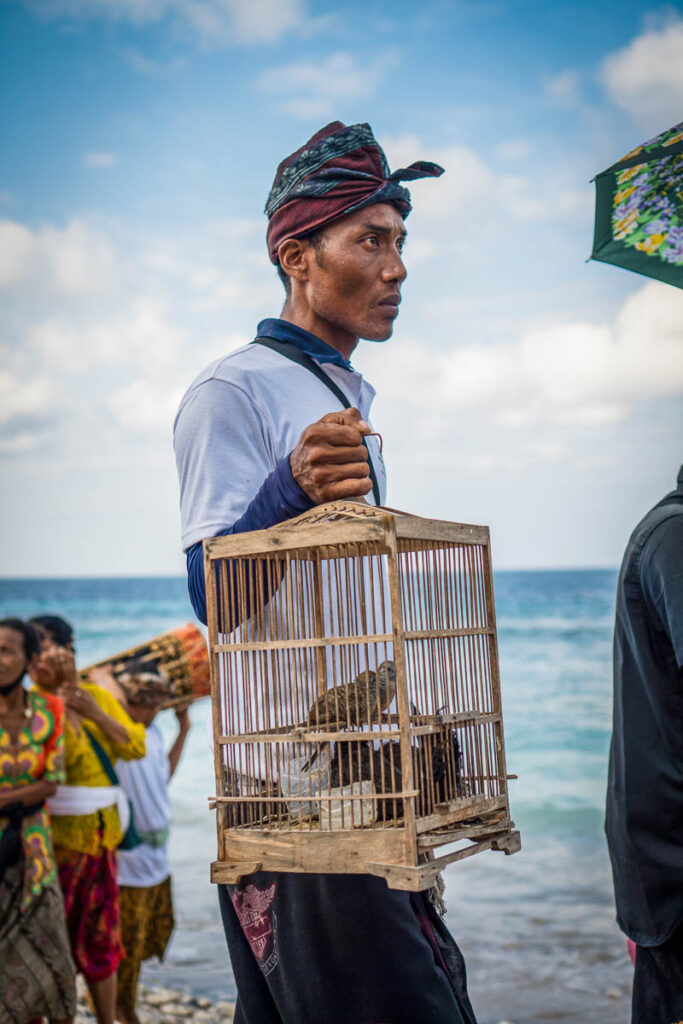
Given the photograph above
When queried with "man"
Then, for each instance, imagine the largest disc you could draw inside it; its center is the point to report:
(645, 793)
(256, 443)
(145, 896)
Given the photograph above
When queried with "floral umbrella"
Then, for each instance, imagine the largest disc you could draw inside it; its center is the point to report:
(639, 210)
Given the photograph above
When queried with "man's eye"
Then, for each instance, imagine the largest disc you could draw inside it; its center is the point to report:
(373, 239)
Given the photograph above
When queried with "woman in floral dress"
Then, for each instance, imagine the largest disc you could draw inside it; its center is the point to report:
(37, 975)
(86, 827)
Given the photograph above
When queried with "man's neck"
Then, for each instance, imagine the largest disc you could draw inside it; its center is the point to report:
(338, 338)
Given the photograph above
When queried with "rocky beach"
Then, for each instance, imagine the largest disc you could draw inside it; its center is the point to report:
(165, 1006)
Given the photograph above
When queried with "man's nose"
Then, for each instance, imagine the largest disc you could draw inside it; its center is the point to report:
(395, 269)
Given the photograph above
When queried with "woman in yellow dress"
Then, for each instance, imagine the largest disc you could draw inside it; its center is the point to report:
(37, 975)
(86, 824)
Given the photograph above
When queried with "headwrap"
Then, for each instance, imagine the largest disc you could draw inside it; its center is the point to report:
(339, 170)
(144, 684)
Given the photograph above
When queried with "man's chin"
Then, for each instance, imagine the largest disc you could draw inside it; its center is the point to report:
(379, 334)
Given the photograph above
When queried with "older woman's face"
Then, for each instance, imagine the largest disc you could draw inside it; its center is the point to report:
(12, 656)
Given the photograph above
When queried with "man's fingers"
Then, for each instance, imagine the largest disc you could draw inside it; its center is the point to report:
(349, 489)
(336, 455)
(327, 472)
(350, 417)
(340, 434)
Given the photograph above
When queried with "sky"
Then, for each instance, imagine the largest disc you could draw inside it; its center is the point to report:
(524, 387)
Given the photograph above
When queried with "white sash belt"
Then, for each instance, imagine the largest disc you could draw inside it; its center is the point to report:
(88, 799)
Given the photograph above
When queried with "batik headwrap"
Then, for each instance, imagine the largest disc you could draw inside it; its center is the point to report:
(339, 170)
(144, 684)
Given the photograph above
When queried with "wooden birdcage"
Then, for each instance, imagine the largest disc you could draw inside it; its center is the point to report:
(356, 696)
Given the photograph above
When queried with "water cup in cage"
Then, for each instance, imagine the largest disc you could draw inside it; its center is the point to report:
(300, 778)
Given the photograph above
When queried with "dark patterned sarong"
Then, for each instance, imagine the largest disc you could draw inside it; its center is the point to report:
(91, 902)
(340, 169)
(146, 926)
(37, 975)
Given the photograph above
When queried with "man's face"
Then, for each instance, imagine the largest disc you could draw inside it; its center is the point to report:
(354, 279)
(144, 713)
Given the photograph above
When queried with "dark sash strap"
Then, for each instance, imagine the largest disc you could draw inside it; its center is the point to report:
(289, 351)
(102, 757)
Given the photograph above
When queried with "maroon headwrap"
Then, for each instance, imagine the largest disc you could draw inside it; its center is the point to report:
(339, 170)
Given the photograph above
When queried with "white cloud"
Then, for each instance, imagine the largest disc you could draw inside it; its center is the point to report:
(19, 444)
(513, 149)
(144, 407)
(208, 21)
(72, 261)
(316, 89)
(99, 160)
(139, 336)
(564, 88)
(469, 189)
(579, 374)
(153, 66)
(16, 245)
(646, 77)
(20, 399)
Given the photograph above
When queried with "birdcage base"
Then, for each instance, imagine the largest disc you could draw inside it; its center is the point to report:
(386, 853)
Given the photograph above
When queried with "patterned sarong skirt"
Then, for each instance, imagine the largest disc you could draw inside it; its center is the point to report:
(37, 975)
(146, 926)
(91, 902)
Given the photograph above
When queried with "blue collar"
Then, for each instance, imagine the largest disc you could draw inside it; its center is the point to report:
(319, 350)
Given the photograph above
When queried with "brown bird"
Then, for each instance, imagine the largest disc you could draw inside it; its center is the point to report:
(354, 703)
(357, 702)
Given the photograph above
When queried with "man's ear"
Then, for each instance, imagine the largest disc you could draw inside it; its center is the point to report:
(294, 256)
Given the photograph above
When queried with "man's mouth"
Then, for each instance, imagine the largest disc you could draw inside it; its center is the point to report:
(391, 304)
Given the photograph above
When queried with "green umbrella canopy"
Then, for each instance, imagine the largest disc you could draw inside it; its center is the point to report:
(639, 210)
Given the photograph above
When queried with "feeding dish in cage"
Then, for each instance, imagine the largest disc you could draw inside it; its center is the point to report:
(356, 696)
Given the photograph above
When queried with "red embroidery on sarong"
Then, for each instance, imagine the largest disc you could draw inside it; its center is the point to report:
(251, 905)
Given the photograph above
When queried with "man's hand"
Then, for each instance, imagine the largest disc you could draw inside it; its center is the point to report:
(183, 717)
(84, 703)
(330, 461)
(55, 669)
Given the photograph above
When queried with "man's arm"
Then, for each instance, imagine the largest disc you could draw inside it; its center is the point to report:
(183, 717)
(278, 499)
(328, 462)
(661, 576)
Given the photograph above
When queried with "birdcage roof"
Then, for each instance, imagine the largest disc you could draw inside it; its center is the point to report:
(340, 511)
(341, 522)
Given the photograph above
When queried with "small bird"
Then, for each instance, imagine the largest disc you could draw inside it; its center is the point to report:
(355, 703)
(446, 768)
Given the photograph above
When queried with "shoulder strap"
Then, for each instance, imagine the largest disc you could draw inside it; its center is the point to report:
(289, 351)
(102, 757)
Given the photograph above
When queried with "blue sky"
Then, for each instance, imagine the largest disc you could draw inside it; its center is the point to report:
(523, 387)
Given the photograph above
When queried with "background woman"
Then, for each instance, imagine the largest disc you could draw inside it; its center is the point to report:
(85, 822)
(36, 971)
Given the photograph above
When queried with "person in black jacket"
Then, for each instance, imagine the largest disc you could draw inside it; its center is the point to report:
(645, 791)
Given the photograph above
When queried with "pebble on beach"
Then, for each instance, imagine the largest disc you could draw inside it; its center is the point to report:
(165, 1006)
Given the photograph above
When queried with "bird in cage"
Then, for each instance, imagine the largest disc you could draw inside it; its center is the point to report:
(357, 702)
(446, 768)
(354, 703)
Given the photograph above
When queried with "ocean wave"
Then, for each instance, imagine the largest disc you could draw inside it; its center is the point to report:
(554, 624)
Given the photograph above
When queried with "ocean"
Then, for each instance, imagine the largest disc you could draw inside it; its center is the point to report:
(537, 929)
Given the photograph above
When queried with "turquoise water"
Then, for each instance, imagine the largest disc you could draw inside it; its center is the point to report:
(537, 929)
